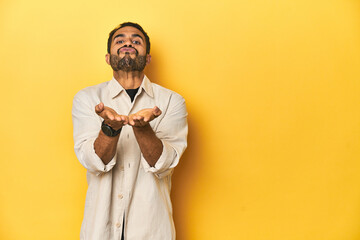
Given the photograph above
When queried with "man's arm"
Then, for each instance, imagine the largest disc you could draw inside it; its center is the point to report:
(105, 146)
(171, 131)
(151, 146)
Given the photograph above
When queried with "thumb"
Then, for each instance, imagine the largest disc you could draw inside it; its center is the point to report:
(156, 111)
(99, 108)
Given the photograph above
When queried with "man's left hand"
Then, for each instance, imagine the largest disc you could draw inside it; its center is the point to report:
(144, 116)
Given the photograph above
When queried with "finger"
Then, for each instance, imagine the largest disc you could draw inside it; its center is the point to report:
(131, 120)
(148, 117)
(138, 120)
(125, 119)
(119, 119)
(139, 117)
(137, 123)
(99, 108)
(109, 115)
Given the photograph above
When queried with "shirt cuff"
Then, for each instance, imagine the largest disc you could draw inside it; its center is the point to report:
(93, 162)
(165, 164)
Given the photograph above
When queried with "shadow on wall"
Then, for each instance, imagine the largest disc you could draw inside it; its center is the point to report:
(185, 174)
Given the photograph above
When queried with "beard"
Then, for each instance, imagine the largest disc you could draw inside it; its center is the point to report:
(127, 64)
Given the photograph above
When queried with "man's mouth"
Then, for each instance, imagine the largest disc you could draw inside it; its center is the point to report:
(127, 50)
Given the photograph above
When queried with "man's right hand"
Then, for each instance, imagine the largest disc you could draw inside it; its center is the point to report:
(111, 117)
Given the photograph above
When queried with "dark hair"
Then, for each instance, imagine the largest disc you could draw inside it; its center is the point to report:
(129, 24)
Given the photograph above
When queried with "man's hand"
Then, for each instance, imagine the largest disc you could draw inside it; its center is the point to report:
(111, 117)
(151, 146)
(144, 116)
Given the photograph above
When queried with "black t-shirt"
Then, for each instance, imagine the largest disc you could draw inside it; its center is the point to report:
(132, 93)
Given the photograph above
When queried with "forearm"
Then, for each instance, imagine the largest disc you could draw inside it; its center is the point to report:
(105, 147)
(151, 147)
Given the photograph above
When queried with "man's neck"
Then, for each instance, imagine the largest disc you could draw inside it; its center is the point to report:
(129, 80)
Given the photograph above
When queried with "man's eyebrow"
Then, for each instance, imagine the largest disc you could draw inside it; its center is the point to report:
(133, 35)
(137, 35)
(119, 35)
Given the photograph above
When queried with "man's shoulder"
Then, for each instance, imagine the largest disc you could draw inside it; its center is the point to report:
(162, 91)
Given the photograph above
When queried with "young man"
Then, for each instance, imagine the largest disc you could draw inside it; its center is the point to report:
(129, 134)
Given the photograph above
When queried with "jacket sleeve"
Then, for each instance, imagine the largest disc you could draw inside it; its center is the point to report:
(87, 125)
(172, 130)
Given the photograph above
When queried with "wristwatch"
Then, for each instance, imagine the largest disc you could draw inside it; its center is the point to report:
(109, 131)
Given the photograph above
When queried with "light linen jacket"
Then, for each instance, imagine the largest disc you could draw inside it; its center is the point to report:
(127, 185)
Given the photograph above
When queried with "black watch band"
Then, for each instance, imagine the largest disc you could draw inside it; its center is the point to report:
(109, 131)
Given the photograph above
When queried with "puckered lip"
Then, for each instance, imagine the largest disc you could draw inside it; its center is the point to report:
(128, 49)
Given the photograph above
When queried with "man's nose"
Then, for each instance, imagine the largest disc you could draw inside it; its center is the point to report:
(128, 42)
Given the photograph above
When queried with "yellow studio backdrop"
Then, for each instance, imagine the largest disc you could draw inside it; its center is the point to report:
(272, 89)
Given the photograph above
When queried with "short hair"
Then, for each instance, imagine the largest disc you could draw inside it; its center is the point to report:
(129, 24)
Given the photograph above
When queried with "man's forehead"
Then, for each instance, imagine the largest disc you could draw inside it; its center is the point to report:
(128, 31)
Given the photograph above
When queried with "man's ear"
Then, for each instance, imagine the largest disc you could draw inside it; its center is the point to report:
(107, 58)
(148, 58)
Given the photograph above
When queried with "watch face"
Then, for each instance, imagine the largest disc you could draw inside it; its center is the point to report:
(107, 130)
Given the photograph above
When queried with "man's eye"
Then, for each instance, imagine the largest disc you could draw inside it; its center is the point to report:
(120, 41)
(136, 42)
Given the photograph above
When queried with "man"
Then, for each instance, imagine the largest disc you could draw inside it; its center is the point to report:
(129, 134)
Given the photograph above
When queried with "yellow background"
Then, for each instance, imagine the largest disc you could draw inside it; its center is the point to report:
(272, 90)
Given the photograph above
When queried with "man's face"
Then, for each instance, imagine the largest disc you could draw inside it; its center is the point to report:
(128, 50)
